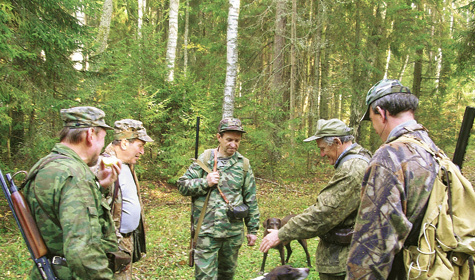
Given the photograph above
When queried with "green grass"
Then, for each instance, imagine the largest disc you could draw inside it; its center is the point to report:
(168, 220)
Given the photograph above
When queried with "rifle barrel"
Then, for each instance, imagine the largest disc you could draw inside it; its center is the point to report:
(464, 135)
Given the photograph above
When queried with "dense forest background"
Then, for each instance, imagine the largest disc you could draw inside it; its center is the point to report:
(165, 63)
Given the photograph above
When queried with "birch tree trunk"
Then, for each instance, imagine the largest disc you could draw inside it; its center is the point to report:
(172, 38)
(141, 8)
(104, 29)
(232, 57)
(77, 57)
(185, 39)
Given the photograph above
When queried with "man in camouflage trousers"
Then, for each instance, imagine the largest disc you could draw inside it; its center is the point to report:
(396, 186)
(66, 199)
(333, 215)
(130, 138)
(221, 237)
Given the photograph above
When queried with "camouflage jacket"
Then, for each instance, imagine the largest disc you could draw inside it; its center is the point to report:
(336, 207)
(396, 189)
(238, 187)
(72, 215)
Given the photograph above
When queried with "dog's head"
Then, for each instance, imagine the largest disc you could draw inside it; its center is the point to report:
(287, 272)
(272, 223)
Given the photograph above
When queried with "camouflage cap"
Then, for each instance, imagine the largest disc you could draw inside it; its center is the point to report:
(381, 89)
(230, 124)
(81, 117)
(333, 127)
(130, 129)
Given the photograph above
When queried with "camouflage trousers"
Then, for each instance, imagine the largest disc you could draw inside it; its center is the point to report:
(327, 276)
(126, 244)
(216, 258)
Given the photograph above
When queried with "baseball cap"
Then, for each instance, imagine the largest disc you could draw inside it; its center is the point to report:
(130, 129)
(332, 127)
(230, 124)
(85, 116)
(381, 89)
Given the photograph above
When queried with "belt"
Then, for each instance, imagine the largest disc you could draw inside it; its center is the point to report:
(127, 234)
(57, 260)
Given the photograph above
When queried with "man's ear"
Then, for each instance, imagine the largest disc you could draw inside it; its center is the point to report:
(124, 144)
(382, 113)
(218, 136)
(90, 132)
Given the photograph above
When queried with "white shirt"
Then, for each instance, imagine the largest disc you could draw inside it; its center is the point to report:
(130, 217)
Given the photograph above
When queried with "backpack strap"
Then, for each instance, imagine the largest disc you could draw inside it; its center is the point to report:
(352, 156)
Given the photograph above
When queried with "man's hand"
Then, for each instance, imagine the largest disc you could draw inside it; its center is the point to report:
(212, 178)
(251, 239)
(270, 240)
(108, 175)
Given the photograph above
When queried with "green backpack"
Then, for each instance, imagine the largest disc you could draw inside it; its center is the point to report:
(446, 242)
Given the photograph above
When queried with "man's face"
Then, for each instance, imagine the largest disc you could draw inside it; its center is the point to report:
(229, 142)
(131, 152)
(330, 152)
(99, 135)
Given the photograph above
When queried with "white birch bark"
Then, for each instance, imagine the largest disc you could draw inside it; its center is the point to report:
(232, 57)
(104, 27)
(172, 38)
(77, 57)
(141, 8)
(185, 39)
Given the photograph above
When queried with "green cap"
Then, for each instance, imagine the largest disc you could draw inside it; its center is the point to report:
(130, 129)
(381, 89)
(81, 117)
(230, 124)
(333, 127)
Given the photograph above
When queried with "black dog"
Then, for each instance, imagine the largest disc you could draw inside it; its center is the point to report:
(285, 272)
(276, 223)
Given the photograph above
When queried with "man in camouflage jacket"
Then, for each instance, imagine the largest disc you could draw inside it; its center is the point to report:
(396, 186)
(220, 237)
(130, 137)
(67, 202)
(335, 210)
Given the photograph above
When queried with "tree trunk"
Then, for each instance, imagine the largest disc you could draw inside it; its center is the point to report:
(314, 110)
(232, 58)
(185, 38)
(293, 69)
(104, 26)
(172, 38)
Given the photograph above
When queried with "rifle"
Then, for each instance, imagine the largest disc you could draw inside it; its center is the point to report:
(464, 135)
(28, 229)
(191, 256)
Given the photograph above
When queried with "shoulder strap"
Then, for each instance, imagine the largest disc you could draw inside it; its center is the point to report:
(352, 156)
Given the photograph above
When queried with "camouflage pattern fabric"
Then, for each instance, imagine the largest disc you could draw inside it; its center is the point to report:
(78, 117)
(396, 189)
(130, 129)
(238, 187)
(336, 207)
(72, 215)
(213, 252)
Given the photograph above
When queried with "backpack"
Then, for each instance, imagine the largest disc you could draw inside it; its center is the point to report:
(446, 241)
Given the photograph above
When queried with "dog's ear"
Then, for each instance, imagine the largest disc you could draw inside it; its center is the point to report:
(265, 223)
